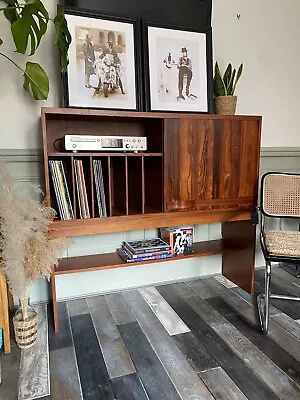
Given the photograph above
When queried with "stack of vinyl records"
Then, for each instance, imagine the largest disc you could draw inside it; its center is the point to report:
(144, 250)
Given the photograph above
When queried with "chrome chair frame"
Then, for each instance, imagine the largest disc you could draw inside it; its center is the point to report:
(263, 300)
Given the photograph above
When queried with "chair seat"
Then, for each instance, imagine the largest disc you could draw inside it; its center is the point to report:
(283, 243)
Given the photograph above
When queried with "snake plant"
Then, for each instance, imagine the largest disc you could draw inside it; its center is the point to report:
(225, 85)
(29, 22)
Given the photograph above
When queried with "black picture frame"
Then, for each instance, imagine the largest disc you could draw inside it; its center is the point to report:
(125, 56)
(156, 39)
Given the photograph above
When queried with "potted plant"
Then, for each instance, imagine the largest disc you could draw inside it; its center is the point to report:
(224, 88)
(26, 251)
(29, 22)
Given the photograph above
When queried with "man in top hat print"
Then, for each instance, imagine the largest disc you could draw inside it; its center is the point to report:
(184, 70)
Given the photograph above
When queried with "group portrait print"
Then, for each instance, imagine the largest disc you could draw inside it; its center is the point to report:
(177, 70)
(102, 67)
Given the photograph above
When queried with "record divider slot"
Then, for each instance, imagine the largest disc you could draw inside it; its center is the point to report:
(126, 188)
(74, 188)
(92, 187)
(110, 183)
(143, 184)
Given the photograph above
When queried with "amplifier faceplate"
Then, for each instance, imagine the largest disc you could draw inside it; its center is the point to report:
(105, 143)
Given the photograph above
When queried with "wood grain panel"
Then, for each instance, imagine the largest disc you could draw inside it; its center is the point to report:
(94, 226)
(238, 266)
(188, 158)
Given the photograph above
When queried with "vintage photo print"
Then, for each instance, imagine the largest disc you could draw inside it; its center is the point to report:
(101, 73)
(177, 70)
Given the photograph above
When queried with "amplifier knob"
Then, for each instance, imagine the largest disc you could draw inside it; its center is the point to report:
(74, 146)
(127, 146)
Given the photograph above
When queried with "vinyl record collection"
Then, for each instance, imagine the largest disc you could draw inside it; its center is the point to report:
(62, 194)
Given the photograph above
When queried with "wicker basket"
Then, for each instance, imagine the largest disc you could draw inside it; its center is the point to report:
(25, 331)
(225, 105)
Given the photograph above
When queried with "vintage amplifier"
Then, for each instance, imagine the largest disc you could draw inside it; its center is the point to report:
(105, 143)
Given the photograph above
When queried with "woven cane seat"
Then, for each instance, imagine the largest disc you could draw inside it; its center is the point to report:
(283, 243)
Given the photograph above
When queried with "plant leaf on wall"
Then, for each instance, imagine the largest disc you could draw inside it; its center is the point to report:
(63, 37)
(32, 24)
(36, 81)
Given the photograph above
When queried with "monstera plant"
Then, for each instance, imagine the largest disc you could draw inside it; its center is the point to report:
(29, 21)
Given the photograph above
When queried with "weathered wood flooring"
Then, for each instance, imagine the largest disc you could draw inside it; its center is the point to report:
(189, 340)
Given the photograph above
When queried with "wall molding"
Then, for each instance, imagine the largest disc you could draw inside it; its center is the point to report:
(280, 152)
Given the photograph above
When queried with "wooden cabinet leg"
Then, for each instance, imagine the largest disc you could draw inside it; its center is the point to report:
(4, 318)
(238, 265)
(54, 303)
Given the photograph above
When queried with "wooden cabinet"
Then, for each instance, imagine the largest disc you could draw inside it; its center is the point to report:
(198, 168)
(211, 164)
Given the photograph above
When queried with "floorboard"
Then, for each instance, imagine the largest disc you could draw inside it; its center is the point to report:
(220, 384)
(152, 373)
(238, 371)
(183, 376)
(276, 353)
(196, 339)
(116, 356)
(93, 374)
(129, 387)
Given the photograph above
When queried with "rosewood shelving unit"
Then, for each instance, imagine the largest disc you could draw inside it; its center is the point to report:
(198, 168)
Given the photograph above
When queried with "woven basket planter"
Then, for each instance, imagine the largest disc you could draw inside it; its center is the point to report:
(225, 105)
(25, 330)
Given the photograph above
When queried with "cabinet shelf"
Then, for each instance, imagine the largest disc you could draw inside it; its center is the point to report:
(103, 154)
(98, 262)
(93, 226)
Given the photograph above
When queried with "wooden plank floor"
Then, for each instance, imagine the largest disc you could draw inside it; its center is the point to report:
(190, 340)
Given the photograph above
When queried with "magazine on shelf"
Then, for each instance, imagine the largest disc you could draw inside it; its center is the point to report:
(146, 246)
(155, 253)
(126, 257)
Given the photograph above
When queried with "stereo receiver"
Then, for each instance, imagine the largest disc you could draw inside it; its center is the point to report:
(105, 143)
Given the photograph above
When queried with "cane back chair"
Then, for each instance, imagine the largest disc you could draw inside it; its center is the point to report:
(280, 198)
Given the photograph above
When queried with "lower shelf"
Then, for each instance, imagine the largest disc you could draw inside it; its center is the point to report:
(113, 260)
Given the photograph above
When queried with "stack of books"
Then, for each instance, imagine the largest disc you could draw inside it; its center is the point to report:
(144, 250)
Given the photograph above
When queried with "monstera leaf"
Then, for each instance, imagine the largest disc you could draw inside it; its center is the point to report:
(31, 24)
(36, 81)
(63, 37)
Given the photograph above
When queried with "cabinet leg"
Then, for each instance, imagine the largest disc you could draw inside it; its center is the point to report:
(4, 318)
(238, 264)
(54, 303)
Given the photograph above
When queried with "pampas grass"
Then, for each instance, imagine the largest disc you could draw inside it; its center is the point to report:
(26, 250)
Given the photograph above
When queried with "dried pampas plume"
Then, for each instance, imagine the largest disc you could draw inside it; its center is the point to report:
(26, 250)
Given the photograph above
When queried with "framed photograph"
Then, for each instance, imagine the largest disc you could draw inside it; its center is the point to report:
(179, 64)
(103, 67)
